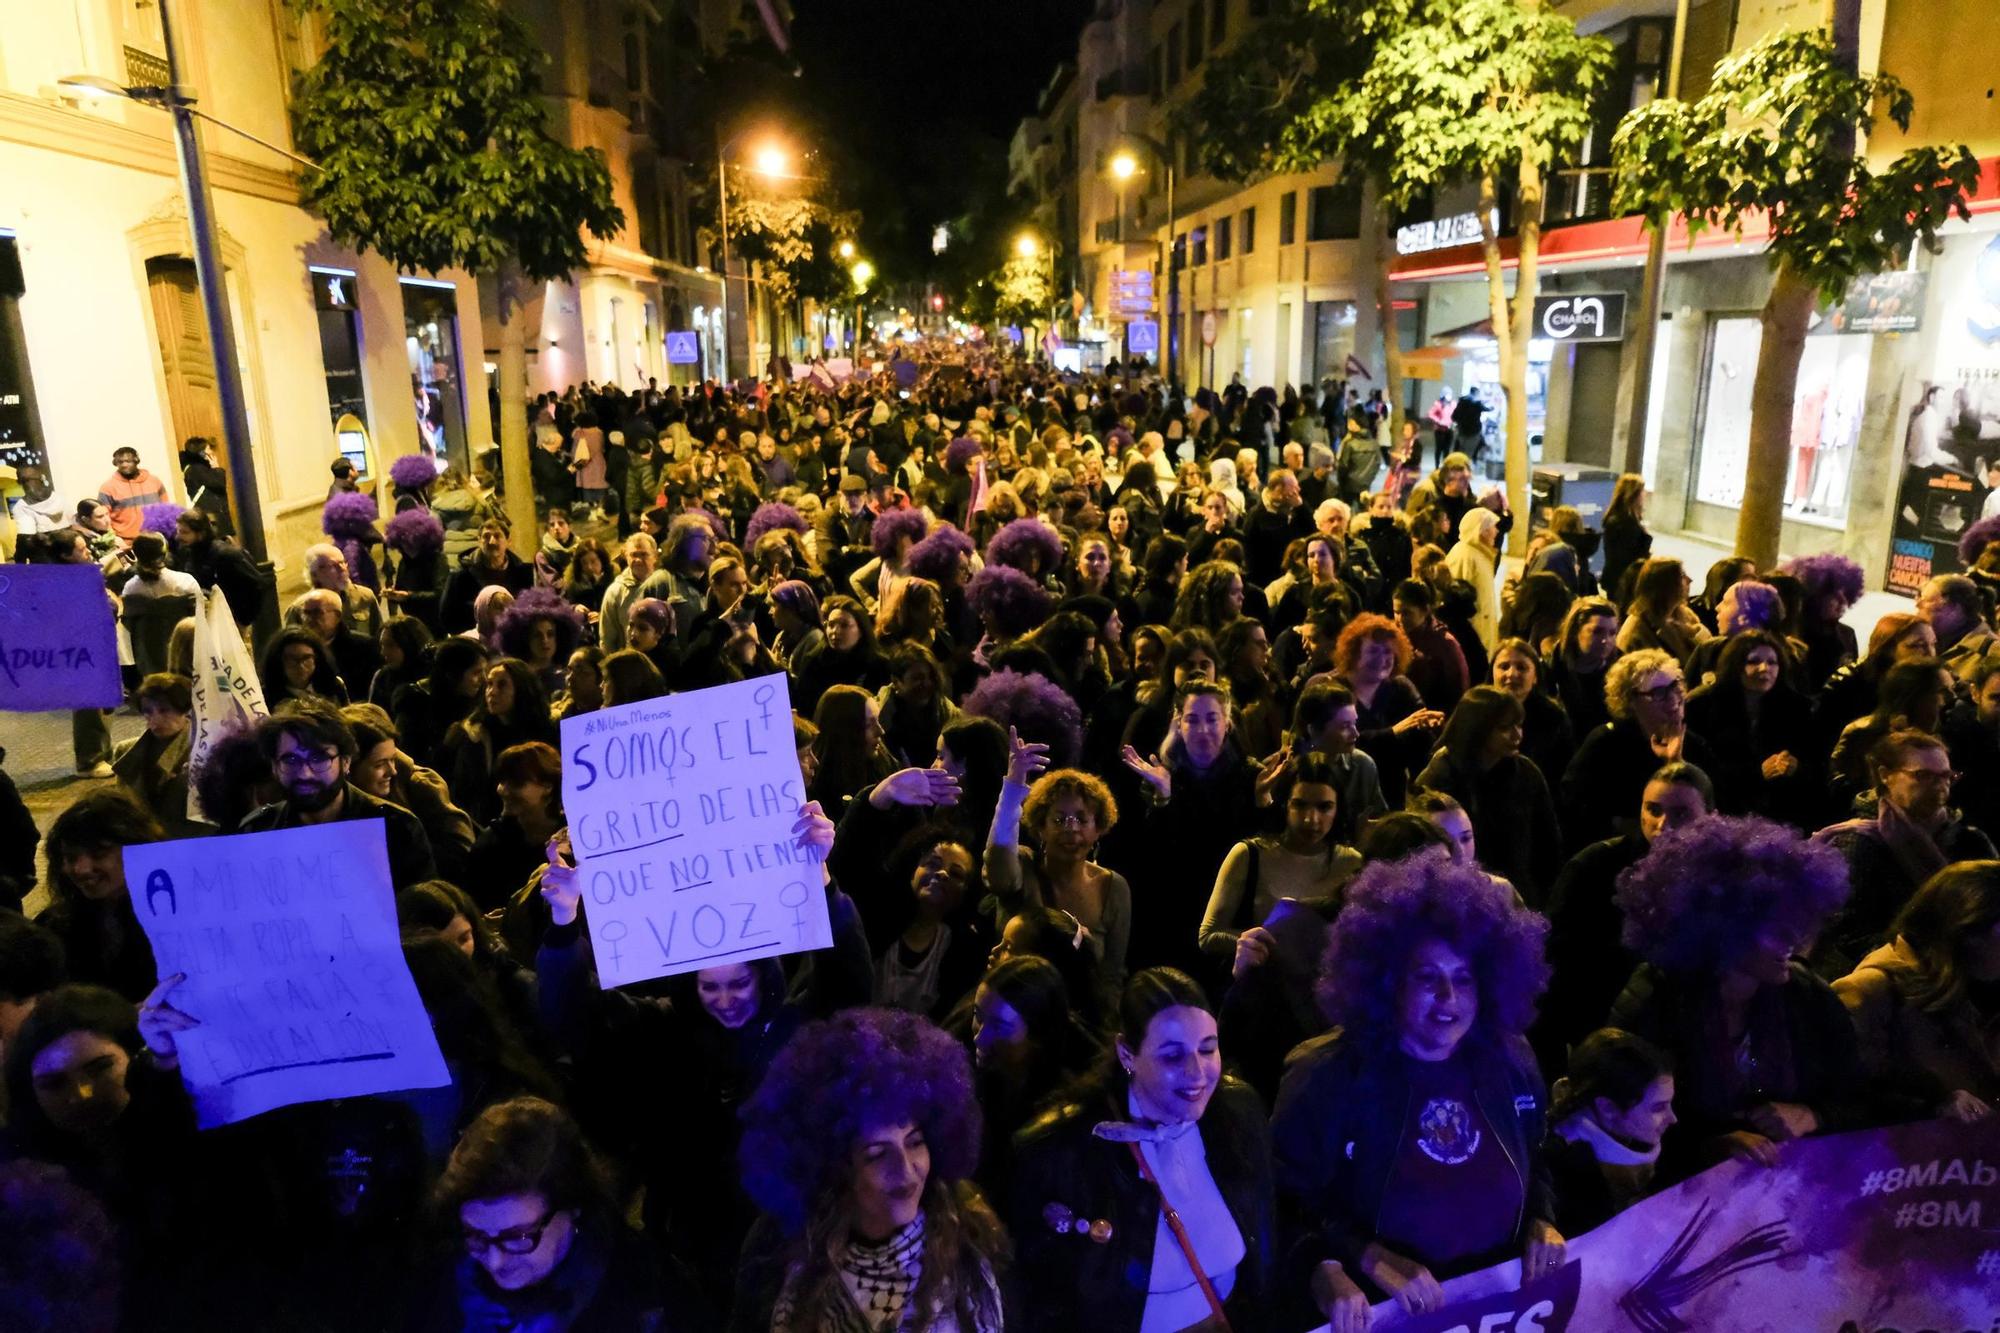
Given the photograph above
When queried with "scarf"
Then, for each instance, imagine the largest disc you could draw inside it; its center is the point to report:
(878, 1279)
(1606, 1147)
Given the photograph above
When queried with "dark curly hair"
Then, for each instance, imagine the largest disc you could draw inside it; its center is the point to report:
(1700, 896)
(1203, 601)
(1393, 906)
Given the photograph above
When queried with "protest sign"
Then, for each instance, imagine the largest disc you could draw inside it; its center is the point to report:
(680, 815)
(58, 639)
(1884, 1230)
(294, 966)
(227, 695)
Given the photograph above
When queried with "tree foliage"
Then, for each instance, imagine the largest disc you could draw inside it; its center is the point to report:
(427, 124)
(1479, 88)
(796, 237)
(1024, 289)
(1774, 135)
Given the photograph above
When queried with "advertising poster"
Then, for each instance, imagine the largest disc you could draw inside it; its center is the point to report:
(1951, 426)
(1883, 1231)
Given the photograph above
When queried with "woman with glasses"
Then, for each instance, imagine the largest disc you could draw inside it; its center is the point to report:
(1599, 793)
(1066, 812)
(1762, 1051)
(542, 1243)
(1913, 834)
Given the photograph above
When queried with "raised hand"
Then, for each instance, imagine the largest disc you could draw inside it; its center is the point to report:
(917, 786)
(1152, 770)
(1025, 759)
(562, 886)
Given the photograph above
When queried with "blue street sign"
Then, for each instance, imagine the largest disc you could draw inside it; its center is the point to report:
(683, 349)
(1142, 337)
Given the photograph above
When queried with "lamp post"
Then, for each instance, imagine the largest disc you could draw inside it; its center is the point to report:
(1124, 166)
(179, 101)
(771, 160)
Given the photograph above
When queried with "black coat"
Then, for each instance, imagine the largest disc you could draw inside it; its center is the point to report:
(1072, 1282)
(1513, 818)
(221, 563)
(1588, 960)
(1626, 543)
(410, 860)
(1739, 748)
(1600, 790)
(472, 575)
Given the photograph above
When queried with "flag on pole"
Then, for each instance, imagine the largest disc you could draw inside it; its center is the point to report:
(227, 696)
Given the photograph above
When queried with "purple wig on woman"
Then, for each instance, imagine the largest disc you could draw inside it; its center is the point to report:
(161, 518)
(534, 604)
(773, 516)
(892, 527)
(414, 533)
(860, 1071)
(958, 455)
(937, 556)
(1824, 574)
(1008, 601)
(1026, 544)
(1701, 895)
(1393, 906)
(349, 519)
(413, 472)
(1973, 543)
(1036, 707)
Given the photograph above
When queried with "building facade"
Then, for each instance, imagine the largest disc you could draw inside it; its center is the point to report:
(102, 341)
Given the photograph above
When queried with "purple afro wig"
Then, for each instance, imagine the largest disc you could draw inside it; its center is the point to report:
(937, 556)
(1699, 898)
(1120, 437)
(1036, 707)
(1023, 541)
(1393, 906)
(414, 532)
(773, 516)
(1008, 601)
(895, 525)
(958, 455)
(1828, 573)
(861, 1070)
(348, 514)
(413, 472)
(535, 604)
(161, 518)
(1976, 539)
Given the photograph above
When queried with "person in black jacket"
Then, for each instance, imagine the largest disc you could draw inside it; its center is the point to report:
(1600, 789)
(1408, 1142)
(1158, 1125)
(1760, 730)
(1608, 1116)
(310, 748)
(90, 905)
(491, 563)
(1479, 762)
(215, 561)
(205, 483)
(1763, 1050)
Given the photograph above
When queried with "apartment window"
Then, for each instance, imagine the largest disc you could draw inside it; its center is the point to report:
(1200, 238)
(1260, 9)
(1153, 84)
(1222, 238)
(1196, 22)
(1248, 230)
(1288, 217)
(1173, 55)
(1180, 252)
(1332, 215)
(1218, 22)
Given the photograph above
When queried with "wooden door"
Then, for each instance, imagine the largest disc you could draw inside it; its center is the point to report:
(185, 359)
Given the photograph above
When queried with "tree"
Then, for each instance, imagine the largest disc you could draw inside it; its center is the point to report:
(1024, 288)
(1773, 137)
(1253, 117)
(426, 120)
(794, 236)
(1485, 91)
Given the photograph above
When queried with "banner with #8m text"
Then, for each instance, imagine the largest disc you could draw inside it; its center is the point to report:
(1884, 1231)
(680, 816)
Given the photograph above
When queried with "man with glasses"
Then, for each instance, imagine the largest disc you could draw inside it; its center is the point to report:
(311, 750)
(1646, 695)
(1913, 834)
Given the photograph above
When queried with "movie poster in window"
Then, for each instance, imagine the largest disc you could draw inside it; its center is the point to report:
(1951, 424)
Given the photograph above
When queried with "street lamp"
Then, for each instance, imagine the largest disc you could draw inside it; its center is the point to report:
(1026, 245)
(771, 160)
(178, 100)
(847, 249)
(1124, 166)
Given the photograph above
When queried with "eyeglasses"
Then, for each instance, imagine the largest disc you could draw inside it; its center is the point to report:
(1069, 822)
(515, 1240)
(1946, 777)
(319, 761)
(1660, 694)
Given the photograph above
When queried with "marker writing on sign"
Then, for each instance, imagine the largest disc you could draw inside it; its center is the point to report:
(709, 932)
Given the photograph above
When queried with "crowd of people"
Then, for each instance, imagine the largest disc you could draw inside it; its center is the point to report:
(1251, 902)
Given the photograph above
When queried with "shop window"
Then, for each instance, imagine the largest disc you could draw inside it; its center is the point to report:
(1288, 217)
(1826, 419)
(339, 341)
(430, 327)
(1223, 237)
(1332, 214)
(1248, 230)
(1332, 337)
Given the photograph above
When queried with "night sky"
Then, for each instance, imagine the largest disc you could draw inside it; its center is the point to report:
(919, 98)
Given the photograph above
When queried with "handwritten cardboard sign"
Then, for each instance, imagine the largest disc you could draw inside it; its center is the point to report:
(58, 640)
(680, 814)
(294, 967)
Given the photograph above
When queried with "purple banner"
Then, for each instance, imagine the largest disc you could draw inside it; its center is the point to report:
(58, 645)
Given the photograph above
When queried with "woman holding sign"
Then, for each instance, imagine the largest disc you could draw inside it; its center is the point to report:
(1410, 1140)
